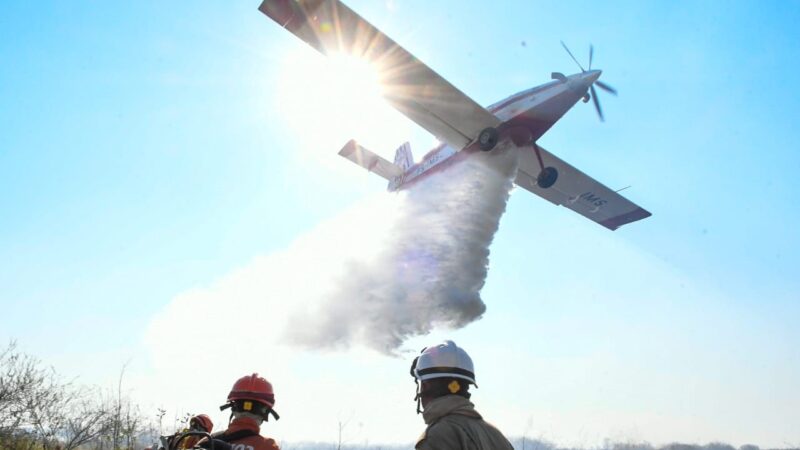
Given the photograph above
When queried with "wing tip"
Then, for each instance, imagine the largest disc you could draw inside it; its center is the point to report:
(348, 149)
(281, 11)
(623, 219)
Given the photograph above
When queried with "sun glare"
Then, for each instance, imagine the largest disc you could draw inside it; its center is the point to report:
(328, 100)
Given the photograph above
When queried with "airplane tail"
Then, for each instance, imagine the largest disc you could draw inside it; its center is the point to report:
(403, 156)
(374, 163)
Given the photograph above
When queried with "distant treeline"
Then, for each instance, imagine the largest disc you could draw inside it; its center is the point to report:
(535, 444)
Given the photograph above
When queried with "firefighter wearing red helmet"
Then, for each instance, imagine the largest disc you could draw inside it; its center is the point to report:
(251, 401)
(201, 422)
(443, 374)
(182, 441)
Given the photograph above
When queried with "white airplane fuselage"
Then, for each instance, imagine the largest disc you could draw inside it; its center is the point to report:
(525, 117)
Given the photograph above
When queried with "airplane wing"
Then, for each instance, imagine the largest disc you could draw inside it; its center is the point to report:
(370, 160)
(408, 84)
(577, 191)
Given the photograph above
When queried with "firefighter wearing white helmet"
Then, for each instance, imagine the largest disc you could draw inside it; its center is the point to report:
(443, 374)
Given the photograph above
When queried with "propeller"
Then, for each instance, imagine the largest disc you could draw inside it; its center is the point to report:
(600, 84)
(573, 56)
(606, 87)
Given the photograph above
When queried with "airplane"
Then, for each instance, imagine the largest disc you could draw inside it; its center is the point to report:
(462, 126)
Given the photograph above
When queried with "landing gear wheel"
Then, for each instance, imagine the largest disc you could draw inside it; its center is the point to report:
(547, 177)
(488, 138)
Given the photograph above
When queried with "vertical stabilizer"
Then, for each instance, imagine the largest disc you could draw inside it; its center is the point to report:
(403, 156)
(402, 159)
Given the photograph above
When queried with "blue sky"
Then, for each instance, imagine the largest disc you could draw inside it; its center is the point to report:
(146, 152)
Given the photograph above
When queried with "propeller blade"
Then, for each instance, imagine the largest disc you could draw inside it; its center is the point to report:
(572, 56)
(605, 87)
(591, 53)
(597, 104)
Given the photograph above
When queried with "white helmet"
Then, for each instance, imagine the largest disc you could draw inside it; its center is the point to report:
(443, 360)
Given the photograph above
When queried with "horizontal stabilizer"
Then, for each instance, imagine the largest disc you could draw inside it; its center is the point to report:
(370, 161)
(577, 191)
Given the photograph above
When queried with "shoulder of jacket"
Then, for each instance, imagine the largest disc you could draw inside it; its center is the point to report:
(436, 431)
(271, 443)
(421, 438)
(265, 443)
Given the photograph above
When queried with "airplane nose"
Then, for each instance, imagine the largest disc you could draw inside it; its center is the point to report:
(591, 76)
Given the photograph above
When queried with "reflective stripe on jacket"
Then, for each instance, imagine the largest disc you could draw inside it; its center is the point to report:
(453, 424)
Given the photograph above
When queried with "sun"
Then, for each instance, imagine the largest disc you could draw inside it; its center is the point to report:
(328, 100)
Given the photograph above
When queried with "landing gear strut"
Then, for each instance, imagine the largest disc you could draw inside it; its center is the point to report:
(488, 138)
(548, 175)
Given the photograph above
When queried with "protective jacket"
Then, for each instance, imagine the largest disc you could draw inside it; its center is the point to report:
(453, 424)
(252, 440)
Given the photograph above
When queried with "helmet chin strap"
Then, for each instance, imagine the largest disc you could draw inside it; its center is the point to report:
(418, 397)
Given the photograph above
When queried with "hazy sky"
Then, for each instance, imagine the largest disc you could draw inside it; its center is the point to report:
(171, 194)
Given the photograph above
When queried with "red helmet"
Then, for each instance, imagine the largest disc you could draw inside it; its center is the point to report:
(203, 421)
(253, 387)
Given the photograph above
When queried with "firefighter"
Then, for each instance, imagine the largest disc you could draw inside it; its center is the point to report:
(200, 422)
(443, 374)
(251, 400)
(183, 441)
